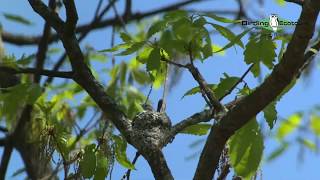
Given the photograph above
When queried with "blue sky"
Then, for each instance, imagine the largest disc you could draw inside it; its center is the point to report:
(301, 97)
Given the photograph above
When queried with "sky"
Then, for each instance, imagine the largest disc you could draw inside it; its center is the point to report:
(302, 97)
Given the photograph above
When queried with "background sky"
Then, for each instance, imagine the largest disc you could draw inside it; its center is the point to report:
(301, 98)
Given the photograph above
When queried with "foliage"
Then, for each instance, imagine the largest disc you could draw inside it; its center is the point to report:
(94, 147)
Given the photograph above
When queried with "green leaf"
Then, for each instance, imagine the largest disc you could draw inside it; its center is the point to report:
(281, 2)
(17, 18)
(140, 76)
(225, 32)
(116, 48)
(17, 96)
(260, 50)
(183, 29)
(156, 27)
(102, 167)
(120, 151)
(225, 85)
(207, 48)
(125, 37)
(201, 21)
(98, 57)
(197, 129)
(196, 90)
(133, 48)
(123, 73)
(315, 124)
(153, 62)
(216, 48)
(234, 41)
(278, 151)
(270, 114)
(34, 92)
(220, 19)
(158, 76)
(174, 15)
(246, 149)
(307, 143)
(88, 161)
(288, 126)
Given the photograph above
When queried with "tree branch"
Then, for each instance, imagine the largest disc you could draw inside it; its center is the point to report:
(48, 14)
(30, 40)
(237, 83)
(72, 16)
(5, 160)
(203, 116)
(251, 105)
(96, 19)
(158, 165)
(83, 75)
(204, 86)
(43, 45)
(49, 73)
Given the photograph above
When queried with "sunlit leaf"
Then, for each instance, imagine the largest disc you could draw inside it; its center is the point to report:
(246, 149)
(281, 2)
(288, 126)
(120, 151)
(198, 129)
(307, 143)
(153, 62)
(315, 124)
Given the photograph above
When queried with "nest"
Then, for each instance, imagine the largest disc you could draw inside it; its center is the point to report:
(151, 129)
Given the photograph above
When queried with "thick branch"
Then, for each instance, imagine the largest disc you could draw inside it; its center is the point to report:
(5, 160)
(48, 14)
(251, 105)
(158, 165)
(72, 16)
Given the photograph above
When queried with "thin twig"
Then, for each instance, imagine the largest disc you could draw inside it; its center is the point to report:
(127, 175)
(96, 19)
(174, 63)
(237, 83)
(120, 18)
